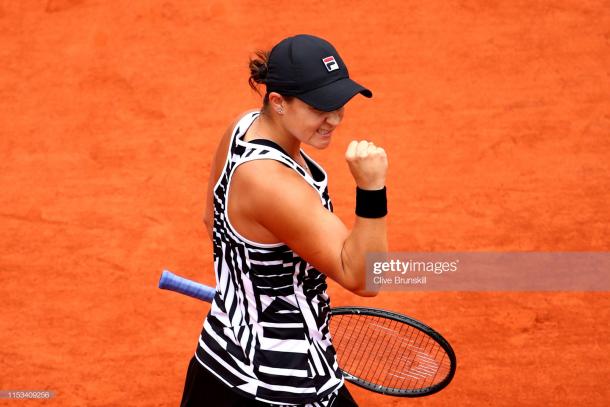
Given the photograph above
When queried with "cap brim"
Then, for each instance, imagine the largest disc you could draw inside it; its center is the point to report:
(334, 95)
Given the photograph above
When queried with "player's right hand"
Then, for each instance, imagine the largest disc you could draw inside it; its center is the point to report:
(368, 164)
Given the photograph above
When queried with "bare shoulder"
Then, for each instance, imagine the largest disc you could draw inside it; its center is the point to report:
(268, 201)
(271, 182)
(275, 198)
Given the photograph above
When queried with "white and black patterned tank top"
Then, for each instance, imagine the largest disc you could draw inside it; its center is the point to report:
(266, 334)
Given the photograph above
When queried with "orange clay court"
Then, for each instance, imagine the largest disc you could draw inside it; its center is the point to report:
(495, 116)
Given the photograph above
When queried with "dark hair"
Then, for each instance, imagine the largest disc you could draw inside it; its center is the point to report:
(258, 73)
(258, 69)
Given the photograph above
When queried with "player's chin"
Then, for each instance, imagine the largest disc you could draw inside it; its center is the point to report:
(320, 142)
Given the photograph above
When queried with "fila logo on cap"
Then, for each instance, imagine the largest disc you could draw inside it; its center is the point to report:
(330, 63)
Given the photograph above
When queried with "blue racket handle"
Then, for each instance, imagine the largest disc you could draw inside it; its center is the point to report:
(172, 282)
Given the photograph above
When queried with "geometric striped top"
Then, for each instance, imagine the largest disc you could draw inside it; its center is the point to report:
(266, 334)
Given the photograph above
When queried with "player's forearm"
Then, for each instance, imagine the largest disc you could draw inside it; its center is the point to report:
(369, 235)
(368, 165)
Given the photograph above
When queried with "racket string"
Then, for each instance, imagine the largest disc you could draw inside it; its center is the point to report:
(355, 344)
(387, 352)
(377, 348)
(387, 349)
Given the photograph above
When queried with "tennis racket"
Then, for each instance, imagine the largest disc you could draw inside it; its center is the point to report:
(379, 350)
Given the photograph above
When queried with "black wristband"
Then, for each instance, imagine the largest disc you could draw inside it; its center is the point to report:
(371, 204)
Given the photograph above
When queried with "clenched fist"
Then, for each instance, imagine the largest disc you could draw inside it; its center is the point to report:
(368, 164)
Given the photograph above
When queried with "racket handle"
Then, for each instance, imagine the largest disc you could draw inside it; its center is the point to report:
(172, 282)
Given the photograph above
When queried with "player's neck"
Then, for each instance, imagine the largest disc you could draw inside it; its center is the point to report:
(266, 127)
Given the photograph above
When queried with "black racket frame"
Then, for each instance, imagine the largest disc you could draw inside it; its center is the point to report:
(376, 312)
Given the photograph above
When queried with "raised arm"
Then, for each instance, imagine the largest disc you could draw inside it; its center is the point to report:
(290, 209)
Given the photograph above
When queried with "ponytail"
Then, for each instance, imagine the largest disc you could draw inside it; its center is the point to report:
(258, 69)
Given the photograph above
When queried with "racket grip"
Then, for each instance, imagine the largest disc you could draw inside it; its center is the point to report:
(172, 282)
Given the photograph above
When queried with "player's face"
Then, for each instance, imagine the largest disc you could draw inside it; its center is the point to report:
(309, 125)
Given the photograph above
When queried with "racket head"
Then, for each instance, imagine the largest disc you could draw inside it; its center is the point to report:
(390, 353)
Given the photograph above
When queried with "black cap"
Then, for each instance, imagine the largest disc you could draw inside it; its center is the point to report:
(311, 69)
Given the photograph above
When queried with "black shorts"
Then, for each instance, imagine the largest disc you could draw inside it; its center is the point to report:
(202, 389)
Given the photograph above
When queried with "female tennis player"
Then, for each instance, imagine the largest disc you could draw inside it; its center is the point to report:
(266, 339)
